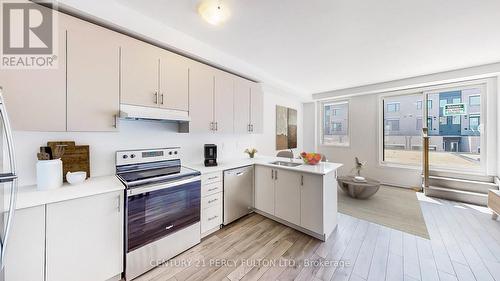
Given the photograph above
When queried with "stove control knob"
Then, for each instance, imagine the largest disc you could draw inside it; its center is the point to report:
(125, 156)
(132, 155)
(170, 153)
(175, 152)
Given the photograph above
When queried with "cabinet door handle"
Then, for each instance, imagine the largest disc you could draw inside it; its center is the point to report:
(115, 121)
(119, 208)
(272, 174)
(212, 189)
(216, 126)
(251, 128)
(302, 180)
(169, 227)
(161, 100)
(211, 126)
(156, 97)
(276, 174)
(212, 201)
(213, 218)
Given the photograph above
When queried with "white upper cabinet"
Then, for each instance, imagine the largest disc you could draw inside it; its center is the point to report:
(224, 102)
(256, 109)
(174, 81)
(140, 64)
(36, 99)
(201, 98)
(93, 84)
(241, 106)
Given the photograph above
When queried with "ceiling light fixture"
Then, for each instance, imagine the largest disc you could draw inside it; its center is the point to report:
(213, 11)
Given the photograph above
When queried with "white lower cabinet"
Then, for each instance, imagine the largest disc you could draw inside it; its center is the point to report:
(25, 256)
(84, 238)
(264, 189)
(311, 197)
(211, 202)
(287, 202)
(77, 240)
(294, 197)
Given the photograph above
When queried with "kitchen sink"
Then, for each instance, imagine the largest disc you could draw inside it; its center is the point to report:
(285, 163)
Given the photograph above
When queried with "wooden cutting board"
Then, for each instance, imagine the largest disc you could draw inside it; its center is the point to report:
(75, 158)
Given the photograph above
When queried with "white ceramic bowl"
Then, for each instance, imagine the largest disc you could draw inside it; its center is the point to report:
(76, 177)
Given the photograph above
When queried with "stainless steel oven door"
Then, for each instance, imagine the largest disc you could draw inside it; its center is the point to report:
(156, 211)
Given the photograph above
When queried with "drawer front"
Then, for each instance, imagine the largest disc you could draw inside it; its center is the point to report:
(211, 178)
(209, 189)
(211, 200)
(211, 218)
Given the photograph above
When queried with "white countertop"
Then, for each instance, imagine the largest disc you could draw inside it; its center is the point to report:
(30, 196)
(322, 168)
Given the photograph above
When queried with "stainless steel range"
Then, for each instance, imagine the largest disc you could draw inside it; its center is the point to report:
(162, 217)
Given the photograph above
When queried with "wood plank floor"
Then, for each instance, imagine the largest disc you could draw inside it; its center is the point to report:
(464, 245)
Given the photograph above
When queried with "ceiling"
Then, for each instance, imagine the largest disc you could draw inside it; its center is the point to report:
(322, 45)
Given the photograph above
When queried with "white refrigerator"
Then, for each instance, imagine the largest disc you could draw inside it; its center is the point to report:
(8, 182)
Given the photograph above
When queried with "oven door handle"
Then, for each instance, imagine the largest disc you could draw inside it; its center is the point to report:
(141, 190)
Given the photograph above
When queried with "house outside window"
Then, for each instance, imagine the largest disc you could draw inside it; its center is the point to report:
(335, 123)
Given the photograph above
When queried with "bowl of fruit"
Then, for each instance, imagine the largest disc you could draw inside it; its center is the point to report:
(311, 158)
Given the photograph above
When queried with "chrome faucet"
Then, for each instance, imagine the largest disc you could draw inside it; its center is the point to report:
(291, 158)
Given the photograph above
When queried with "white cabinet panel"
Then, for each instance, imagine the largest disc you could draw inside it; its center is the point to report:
(84, 238)
(241, 106)
(257, 109)
(211, 218)
(287, 196)
(174, 81)
(139, 73)
(224, 102)
(25, 256)
(93, 85)
(36, 99)
(264, 189)
(211, 178)
(311, 214)
(201, 98)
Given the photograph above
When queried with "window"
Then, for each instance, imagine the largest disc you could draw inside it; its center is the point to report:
(474, 122)
(456, 120)
(442, 103)
(457, 100)
(474, 100)
(393, 107)
(419, 124)
(429, 104)
(429, 123)
(337, 127)
(392, 125)
(335, 120)
(419, 104)
(402, 129)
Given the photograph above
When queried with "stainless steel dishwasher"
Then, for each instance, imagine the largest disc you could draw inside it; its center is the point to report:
(238, 193)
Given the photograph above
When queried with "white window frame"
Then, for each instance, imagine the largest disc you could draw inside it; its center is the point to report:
(489, 90)
(321, 106)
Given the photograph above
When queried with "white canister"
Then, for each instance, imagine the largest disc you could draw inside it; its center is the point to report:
(49, 174)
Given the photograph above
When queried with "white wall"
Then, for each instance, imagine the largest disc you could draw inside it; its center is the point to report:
(148, 134)
(266, 143)
(309, 123)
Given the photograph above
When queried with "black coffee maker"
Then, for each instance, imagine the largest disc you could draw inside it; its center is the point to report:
(210, 155)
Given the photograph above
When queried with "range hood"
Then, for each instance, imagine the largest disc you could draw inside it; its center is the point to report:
(153, 113)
